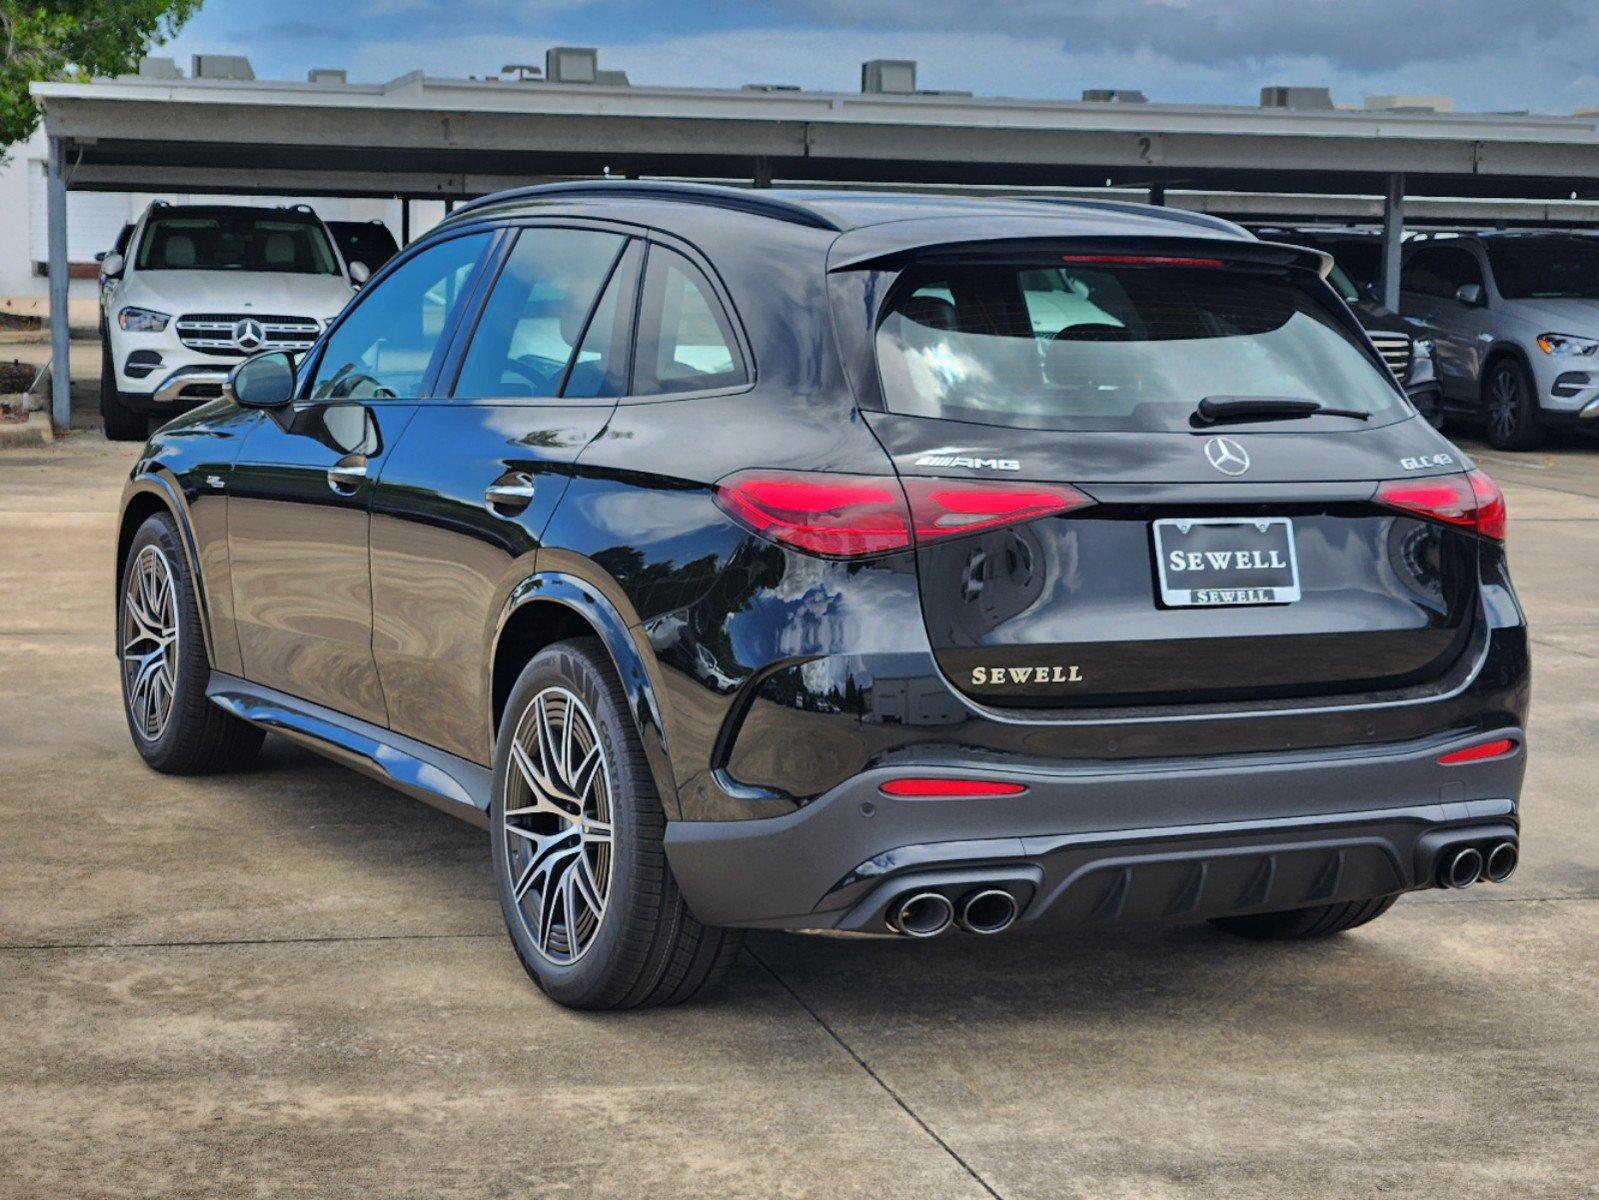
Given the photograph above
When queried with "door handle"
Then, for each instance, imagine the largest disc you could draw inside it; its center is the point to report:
(346, 475)
(512, 491)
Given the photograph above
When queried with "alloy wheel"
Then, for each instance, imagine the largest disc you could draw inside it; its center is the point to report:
(1504, 404)
(557, 826)
(150, 642)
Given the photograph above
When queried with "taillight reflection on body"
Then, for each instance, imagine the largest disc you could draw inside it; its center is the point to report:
(857, 516)
(1471, 501)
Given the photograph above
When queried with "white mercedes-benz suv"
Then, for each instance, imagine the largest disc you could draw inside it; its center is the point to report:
(201, 287)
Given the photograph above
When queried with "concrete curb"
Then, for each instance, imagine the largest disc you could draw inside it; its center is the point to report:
(30, 434)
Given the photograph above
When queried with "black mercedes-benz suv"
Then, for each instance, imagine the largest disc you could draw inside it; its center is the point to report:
(857, 562)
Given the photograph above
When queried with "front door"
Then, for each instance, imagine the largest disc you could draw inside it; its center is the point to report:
(299, 494)
(464, 497)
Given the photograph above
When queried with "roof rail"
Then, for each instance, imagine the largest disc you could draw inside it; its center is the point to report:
(737, 199)
(1182, 216)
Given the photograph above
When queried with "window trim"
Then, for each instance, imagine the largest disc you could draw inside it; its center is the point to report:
(308, 367)
(729, 312)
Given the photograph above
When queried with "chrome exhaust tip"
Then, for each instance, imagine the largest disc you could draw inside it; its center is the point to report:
(1501, 862)
(922, 915)
(1461, 868)
(992, 910)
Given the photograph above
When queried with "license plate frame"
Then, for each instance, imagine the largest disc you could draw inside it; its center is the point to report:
(1216, 589)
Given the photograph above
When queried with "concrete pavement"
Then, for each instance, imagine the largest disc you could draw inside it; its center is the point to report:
(295, 983)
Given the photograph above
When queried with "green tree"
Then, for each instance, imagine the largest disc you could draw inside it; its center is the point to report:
(60, 39)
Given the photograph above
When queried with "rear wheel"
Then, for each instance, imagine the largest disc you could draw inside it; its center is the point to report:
(1512, 407)
(175, 728)
(121, 423)
(1300, 923)
(579, 862)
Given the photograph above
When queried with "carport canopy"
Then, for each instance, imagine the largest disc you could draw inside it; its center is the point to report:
(421, 137)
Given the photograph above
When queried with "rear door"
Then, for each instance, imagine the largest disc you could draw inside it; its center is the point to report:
(1085, 540)
(465, 496)
(299, 493)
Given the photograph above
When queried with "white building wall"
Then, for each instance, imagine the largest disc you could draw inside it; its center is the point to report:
(95, 218)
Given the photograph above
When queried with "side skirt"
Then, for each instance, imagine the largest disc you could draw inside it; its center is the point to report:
(451, 784)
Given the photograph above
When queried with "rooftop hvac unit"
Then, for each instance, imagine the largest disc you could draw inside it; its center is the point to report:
(221, 66)
(327, 75)
(889, 77)
(1410, 102)
(1115, 96)
(1318, 98)
(159, 68)
(572, 64)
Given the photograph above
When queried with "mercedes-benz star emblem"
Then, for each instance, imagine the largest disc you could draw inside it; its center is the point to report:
(248, 335)
(1227, 456)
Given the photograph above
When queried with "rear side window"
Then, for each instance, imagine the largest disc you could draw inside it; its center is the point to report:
(383, 348)
(685, 341)
(1114, 347)
(537, 312)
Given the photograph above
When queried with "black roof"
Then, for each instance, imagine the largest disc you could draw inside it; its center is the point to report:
(842, 211)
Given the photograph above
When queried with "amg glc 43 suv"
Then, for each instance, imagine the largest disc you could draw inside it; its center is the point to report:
(899, 565)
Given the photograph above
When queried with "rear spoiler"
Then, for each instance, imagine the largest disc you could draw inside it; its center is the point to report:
(898, 242)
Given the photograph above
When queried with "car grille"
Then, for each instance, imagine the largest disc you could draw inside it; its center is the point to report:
(1395, 351)
(213, 332)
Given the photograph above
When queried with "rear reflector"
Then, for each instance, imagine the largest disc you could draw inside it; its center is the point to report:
(1471, 501)
(855, 516)
(1141, 260)
(949, 787)
(1497, 748)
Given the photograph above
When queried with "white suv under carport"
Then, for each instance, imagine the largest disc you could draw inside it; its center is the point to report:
(1515, 318)
(202, 287)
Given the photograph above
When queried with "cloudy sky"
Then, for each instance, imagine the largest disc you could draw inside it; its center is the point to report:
(1492, 55)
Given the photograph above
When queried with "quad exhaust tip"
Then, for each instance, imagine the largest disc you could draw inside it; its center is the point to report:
(1500, 864)
(923, 915)
(1461, 868)
(992, 910)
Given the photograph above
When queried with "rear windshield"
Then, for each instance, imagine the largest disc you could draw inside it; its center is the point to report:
(1120, 347)
(236, 242)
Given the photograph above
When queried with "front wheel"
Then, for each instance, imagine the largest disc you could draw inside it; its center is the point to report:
(578, 838)
(1512, 403)
(121, 423)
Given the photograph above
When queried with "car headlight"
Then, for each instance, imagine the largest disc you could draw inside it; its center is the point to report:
(142, 320)
(1567, 344)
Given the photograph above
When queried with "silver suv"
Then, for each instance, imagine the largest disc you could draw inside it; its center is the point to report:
(1516, 322)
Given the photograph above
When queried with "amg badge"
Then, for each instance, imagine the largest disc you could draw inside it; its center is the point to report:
(1071, 674)
(948, 459)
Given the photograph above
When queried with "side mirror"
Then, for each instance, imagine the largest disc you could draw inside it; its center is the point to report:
(111, 264)
(359, 273)
(265, 381)
(1469, 293)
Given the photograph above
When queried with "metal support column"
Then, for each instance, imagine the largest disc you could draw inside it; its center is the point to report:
(405, 221)
(762, 174)
(1393, 232)
(60, 329)
(1157, 193)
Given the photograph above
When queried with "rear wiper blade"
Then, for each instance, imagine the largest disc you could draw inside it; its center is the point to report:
(1213, 410)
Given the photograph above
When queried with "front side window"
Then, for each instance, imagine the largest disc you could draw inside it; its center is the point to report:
(537, 312)
(282, 242)
(685, 342)
(385, 345)
(1545, 268)
(1440, 271)
(1115, 347)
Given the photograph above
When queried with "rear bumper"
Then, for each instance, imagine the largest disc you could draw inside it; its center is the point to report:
(1103, 842)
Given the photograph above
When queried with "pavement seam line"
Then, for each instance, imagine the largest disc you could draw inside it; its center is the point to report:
(329, 939)
(876, 1078)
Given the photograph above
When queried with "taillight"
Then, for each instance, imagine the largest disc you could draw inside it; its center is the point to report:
(856, 516)
(1471, 501)
(1497, 748)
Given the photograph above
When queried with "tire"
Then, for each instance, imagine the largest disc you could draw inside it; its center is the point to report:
(1510, 405)
(174, 727)
(642, 947)
(1299, 924)
(121, 423)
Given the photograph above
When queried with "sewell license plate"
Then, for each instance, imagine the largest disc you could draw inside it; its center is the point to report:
(1211, 562)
